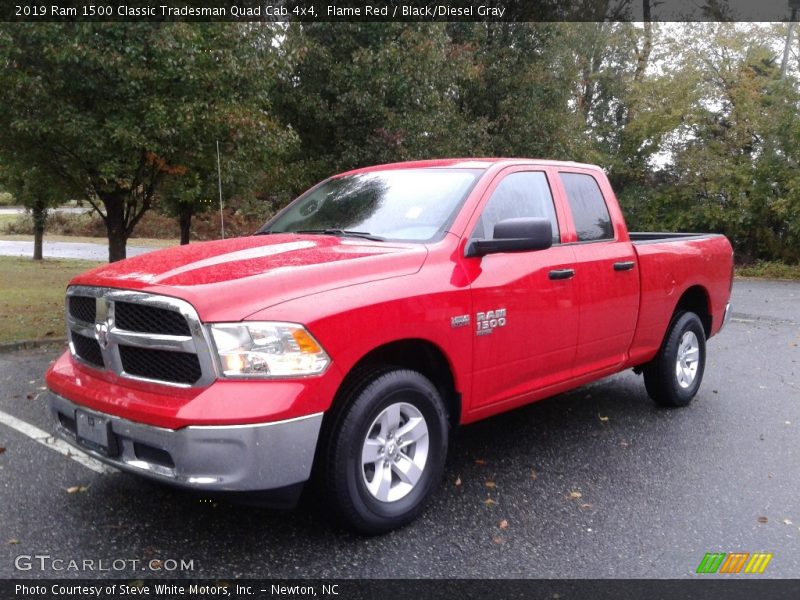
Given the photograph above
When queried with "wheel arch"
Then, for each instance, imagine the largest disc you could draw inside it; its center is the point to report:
(696, 299)
(416, 354)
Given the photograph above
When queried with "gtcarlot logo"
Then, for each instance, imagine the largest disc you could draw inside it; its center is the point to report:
(734, 562)
(47, 562)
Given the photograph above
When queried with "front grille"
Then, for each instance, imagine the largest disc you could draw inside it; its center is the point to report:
(180, 367)
(139, 336)
(83, 308)
(149, 319)
(87, 348)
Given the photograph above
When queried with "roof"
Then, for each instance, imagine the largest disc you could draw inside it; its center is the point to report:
(463, 163)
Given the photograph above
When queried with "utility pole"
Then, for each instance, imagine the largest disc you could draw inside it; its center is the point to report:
(794, 5)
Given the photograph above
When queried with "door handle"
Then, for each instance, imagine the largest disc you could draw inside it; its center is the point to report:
(561, 274)
(624, 266)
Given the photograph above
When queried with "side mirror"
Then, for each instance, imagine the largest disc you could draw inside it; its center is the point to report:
(514, 235)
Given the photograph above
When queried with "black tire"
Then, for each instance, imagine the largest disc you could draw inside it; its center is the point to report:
(662, 380)
(346, 477)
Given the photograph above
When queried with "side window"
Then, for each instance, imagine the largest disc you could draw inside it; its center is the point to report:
(521, 194)
(589, 210)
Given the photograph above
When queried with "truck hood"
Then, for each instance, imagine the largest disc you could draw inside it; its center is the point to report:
(229, 280)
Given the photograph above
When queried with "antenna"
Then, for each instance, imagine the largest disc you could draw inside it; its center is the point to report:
(219, 183)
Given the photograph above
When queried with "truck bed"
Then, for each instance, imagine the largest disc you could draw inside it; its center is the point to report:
(651, 237)
(670, 264)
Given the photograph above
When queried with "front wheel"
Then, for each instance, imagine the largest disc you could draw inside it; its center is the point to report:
(387, 450)
(673, 377)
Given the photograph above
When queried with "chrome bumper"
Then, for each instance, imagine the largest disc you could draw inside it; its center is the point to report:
(726, 317)
(256, 457)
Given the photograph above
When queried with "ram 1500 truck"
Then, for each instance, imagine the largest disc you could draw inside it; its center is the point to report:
(374, 313)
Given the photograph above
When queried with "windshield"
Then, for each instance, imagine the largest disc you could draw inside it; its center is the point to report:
(416, 205)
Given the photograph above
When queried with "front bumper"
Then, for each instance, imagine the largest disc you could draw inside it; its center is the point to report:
(244, 458)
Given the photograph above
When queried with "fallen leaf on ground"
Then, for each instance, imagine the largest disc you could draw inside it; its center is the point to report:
(480, 461)
(624, 444)
(534, 475)
(497, 540)
(2, 449)
(762, 519)
(574, 495)
(490, 484)
(29, 396)
(586, 505)
(503, 524)
(489, 502)
(13, 542)
(458, 481)
(77, 488)
(602, 418)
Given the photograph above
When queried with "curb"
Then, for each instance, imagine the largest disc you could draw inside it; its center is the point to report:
(31, 344)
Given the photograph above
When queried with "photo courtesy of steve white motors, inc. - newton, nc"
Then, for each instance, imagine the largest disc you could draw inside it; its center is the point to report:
(139, 589)
(345, 339)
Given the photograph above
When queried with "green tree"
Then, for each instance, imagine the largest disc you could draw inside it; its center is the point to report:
(114, 110)
(366, 93)
(735, 160)
(38, 192)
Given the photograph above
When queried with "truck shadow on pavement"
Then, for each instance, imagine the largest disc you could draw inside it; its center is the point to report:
(542, 467)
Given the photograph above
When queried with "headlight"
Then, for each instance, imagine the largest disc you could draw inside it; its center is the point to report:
(266, 349)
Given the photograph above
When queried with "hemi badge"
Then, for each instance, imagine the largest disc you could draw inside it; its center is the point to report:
(459, 321)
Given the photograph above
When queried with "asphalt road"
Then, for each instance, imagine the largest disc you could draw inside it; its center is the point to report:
(595, 483)
(74, 250)
(68, 210)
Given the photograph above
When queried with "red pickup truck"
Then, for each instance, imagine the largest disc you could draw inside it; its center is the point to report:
(377, 311)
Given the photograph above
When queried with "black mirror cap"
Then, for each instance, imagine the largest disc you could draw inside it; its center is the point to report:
(515, 235)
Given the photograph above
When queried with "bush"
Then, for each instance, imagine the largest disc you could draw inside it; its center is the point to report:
(6, 199)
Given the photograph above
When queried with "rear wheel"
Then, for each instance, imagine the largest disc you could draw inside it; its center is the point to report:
(673, 377)
(386, 451)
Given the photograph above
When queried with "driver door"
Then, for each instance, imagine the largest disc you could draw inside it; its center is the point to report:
(525, 315)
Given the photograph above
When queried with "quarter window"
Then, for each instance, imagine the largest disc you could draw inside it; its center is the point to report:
(520, 194)
(589, 210)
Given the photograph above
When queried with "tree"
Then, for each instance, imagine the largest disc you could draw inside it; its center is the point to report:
(365, 93)
(38, 192)
(114, 110)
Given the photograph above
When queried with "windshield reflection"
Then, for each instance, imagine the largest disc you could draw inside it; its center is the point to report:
(398, 205)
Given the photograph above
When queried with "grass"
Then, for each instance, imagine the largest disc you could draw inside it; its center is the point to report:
(769, 270)
(32, 297)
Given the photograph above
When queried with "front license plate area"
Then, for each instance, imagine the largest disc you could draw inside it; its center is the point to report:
(95, 433)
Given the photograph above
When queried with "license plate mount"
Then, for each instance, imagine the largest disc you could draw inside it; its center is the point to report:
(95, 433)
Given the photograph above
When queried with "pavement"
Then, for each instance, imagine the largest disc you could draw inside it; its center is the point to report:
(70, 210)
(68, 250)
(596, 483)
(73, 250)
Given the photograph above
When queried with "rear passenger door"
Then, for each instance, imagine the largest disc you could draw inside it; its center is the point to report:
(525, 320)
(606, 275)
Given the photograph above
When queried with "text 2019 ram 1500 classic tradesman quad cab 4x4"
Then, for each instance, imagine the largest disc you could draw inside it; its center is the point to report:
(377, 311)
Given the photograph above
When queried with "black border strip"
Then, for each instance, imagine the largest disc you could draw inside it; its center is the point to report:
(703, 587)
(394, 11)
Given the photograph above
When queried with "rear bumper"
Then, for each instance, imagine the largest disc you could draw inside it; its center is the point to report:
(726, 317)
(255, 457)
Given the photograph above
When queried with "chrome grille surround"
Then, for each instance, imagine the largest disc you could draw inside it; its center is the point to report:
(110, 337)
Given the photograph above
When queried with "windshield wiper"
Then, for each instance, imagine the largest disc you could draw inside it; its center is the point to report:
(345, 233)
